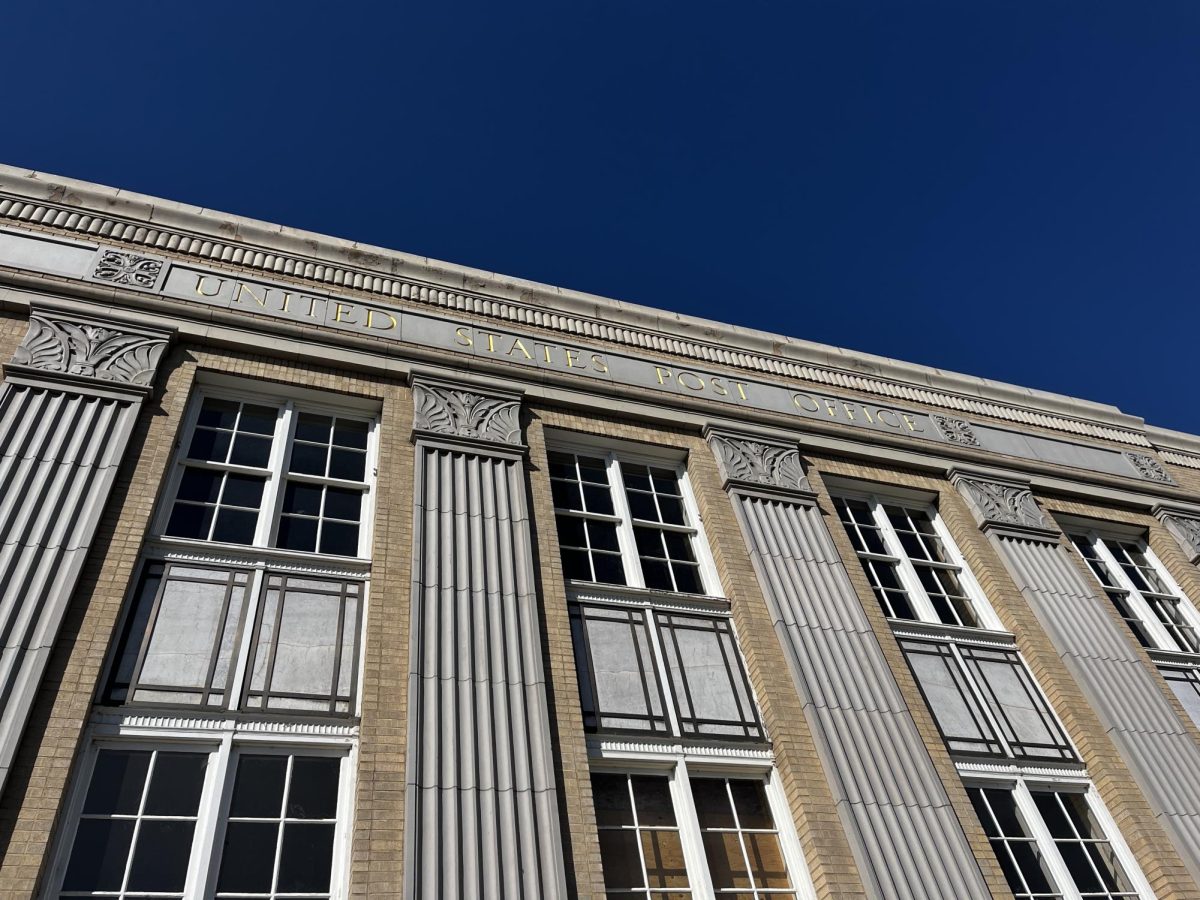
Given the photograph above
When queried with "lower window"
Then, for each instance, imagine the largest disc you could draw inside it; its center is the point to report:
(1050, 843)
(141, 825)
(656, 845)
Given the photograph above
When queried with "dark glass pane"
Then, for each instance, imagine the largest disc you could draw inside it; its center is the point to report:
(297, 534)
(190, 521)
(258, 419)
(671, 509)
(117, 782)
(598, 499)
(302, 499)
(99, 855)
(712, 803)
(258, 788)
(566, 495)
(235, 526)
(561, 465)
(176, 785)
(199, 485)
(314, 789)
(609, 569)
(649, 541)
(981, 810)
(209, 445)
(1052, 814)
(593, 470)
(343, 504)
(308, 459)
(570, 531)
(657, 575)
(687, 578)
(248, 857)
(610, 795)
(251, 450)
(665, 481)
(310, 427)
(1081, 816)
(912, 545)
(243, 490)
(339, 538)
(306, 860)
(218, 413)
(1029, 859)
(750, 798)
(874, 541)
(348, 464)
(160, 860)
(575, 565)
(642, 506)
(679, 546)
(348, 433)
(652, 795)
(603, 535)
(619, 859)
(1004, 807)
(636, 478)
(725, 861)
(1080, 867)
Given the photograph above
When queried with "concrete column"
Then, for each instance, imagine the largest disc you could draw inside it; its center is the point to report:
(1114, 676)
(481, 807)
(905, 836)
(68, 404)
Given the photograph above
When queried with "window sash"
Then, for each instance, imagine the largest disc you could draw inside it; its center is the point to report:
(1160, 621)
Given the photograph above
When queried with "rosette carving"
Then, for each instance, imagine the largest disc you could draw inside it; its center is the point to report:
(464, 413)
(1148, 467)
(119, 267)
(956, 431)
(90, 350)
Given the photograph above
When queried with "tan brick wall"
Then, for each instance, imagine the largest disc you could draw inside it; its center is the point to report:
(30, 807)
(825, 846)
(12, 329)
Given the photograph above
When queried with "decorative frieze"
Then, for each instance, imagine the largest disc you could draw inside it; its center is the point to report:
(1149, 468)
(133, 269)
(461, 412)
(760, 463)
(81, 347)
(956, 431)
(1006, 506)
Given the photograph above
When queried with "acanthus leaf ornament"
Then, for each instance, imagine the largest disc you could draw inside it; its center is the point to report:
(90, 349)
(1003, 504)
(1186, 530)
(442, 409)
(757, 462)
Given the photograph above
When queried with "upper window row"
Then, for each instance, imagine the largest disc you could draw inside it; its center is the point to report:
(273, 475)
(627, 523)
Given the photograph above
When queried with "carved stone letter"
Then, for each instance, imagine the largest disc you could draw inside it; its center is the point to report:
(458, 412)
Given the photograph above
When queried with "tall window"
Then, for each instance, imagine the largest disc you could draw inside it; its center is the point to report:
(1144, 595)
(622, 521)
(1049, 831)
(230, 701)
(687, 800)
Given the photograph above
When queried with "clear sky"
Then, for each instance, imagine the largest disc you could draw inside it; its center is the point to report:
(1008, 189)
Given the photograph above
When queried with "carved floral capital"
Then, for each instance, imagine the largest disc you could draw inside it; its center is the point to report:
(89, 348)
(464, 413)
(1186, 530)
(1010, 506)
(757, 462)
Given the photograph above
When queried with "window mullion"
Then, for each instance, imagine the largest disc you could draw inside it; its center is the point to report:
(905, 570)
(982, 608)
(247, 631)
(281, 448)
(664, 675)
(981, 699)
(1163, 639)
(709, 576)
(1032, 819)
(625, 538)
(690, 838)
(201, 867)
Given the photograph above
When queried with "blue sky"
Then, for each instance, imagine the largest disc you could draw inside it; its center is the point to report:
(1008, 189)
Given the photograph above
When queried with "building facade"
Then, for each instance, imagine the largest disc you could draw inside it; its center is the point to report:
(327, 571)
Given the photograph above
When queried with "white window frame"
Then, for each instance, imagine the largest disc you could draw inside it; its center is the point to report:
(1156, 631)
(614, 453)
(289, 404)
(679, 768)
(224, 746)
(1022, 786)
(918, 598)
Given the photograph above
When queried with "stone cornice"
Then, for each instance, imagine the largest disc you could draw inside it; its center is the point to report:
(67, 206)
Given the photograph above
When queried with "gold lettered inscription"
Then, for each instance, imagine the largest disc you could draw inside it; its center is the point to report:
(709, 385)
(528, 350)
